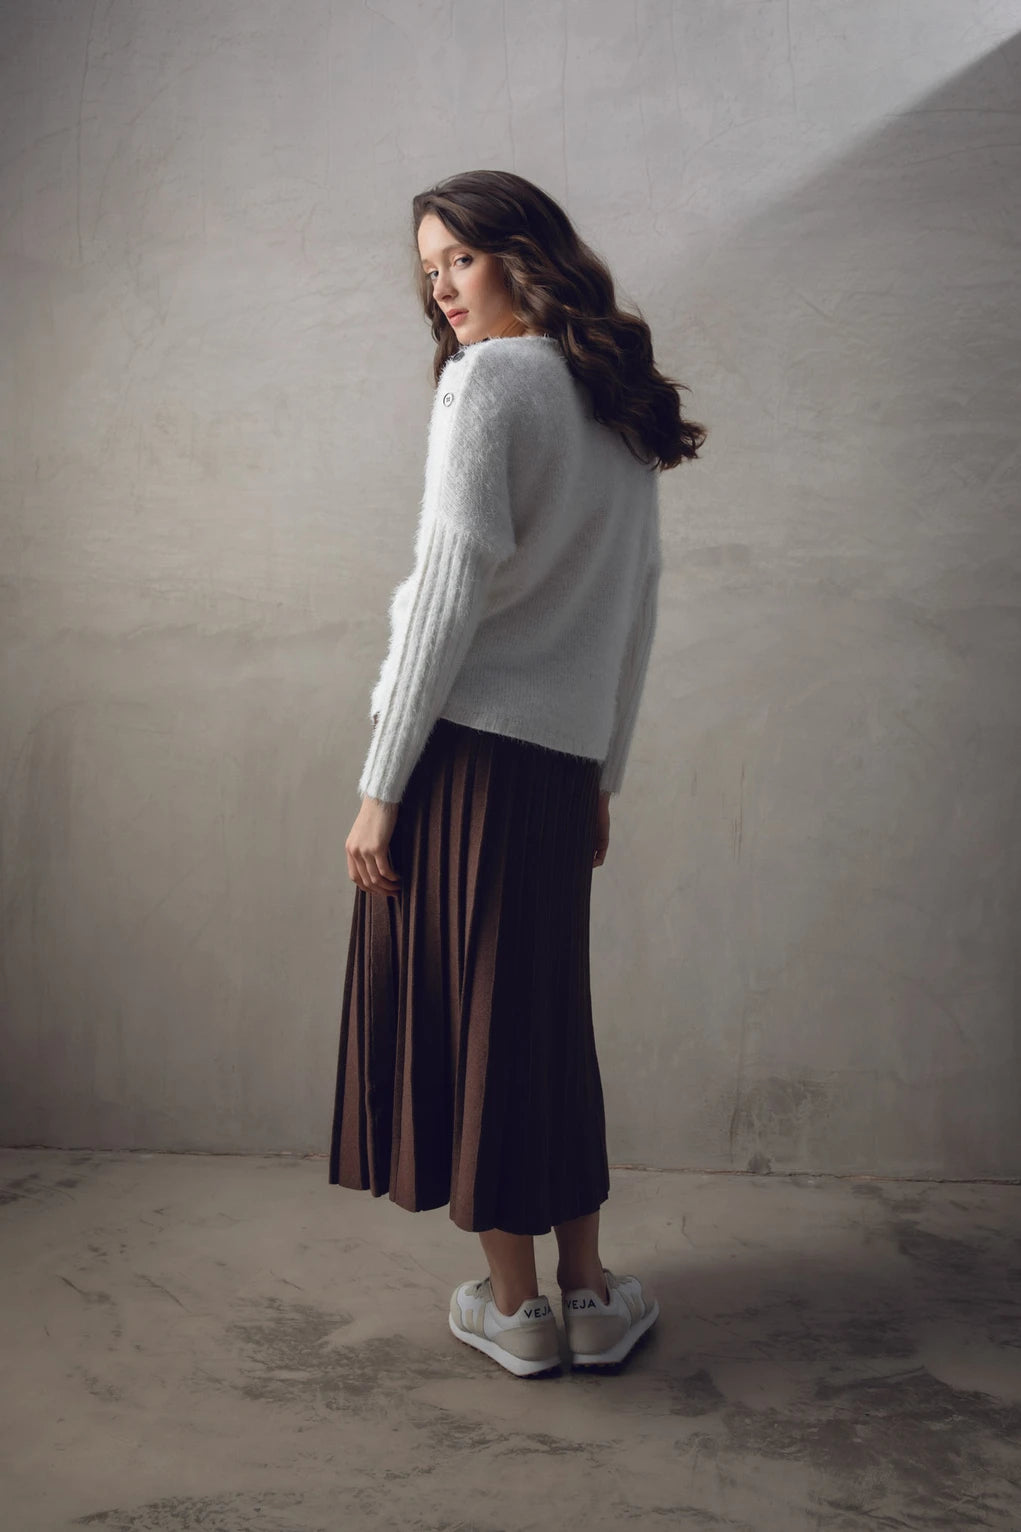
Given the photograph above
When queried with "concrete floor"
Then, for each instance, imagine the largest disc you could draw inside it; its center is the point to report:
(228, 1343)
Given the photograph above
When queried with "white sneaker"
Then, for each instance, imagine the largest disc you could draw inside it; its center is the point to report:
(525, 1343)
(599, 1333)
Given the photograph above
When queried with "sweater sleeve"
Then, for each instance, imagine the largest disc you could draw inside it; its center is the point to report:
(632, 681)
(465, 532)
(453, 578)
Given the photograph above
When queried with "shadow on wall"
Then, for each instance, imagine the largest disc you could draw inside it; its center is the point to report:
(844, 666)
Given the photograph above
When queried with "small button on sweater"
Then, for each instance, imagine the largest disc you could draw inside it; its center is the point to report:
(531, 607)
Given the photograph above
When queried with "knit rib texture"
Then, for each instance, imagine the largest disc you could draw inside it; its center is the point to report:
(531, 607)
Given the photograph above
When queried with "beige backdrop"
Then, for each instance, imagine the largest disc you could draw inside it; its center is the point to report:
(215, 395)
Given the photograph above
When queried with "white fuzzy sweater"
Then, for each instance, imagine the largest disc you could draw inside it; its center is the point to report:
(531, 607)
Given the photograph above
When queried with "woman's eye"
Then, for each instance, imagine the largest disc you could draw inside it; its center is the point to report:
(458, 258)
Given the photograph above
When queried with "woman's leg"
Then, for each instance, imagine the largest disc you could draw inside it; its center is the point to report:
(579, 1264)
(511, 1260)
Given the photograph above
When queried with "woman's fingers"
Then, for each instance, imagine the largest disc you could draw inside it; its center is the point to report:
(602, 830)
(386, 880)
(369, 848)
(372, 872)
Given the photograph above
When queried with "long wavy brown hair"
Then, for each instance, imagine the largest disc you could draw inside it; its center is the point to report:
(558, 284)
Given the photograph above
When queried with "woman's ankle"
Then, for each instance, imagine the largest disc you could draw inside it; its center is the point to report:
(504, 1297)
(568, 1281)
(511, 1262)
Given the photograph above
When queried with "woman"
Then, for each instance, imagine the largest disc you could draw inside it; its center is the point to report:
(503, 716)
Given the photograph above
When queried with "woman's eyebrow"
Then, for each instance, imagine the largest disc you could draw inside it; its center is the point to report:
(426, 260)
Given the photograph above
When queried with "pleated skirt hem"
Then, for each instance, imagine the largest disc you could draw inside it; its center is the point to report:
(563, 1215)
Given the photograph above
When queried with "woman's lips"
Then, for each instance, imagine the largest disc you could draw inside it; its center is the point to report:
(456, 314)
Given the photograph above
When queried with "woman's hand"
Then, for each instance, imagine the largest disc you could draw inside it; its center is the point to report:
(602, 830)
(368, 848)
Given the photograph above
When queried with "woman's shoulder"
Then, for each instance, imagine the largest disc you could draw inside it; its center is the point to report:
(504, 381)
(512, 371)
(508, 357)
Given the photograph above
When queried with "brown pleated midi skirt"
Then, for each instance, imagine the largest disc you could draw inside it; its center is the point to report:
(467, 1071)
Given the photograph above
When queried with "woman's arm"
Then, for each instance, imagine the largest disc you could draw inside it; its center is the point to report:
(453, 581)
(465, 531)
(632, 681)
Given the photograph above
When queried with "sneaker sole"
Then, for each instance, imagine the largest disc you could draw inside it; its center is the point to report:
(515, 1364)
(624, 1346)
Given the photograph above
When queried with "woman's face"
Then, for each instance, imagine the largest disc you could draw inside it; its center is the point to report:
(467, 284)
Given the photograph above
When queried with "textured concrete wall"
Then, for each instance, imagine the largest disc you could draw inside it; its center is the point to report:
(215, 390)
